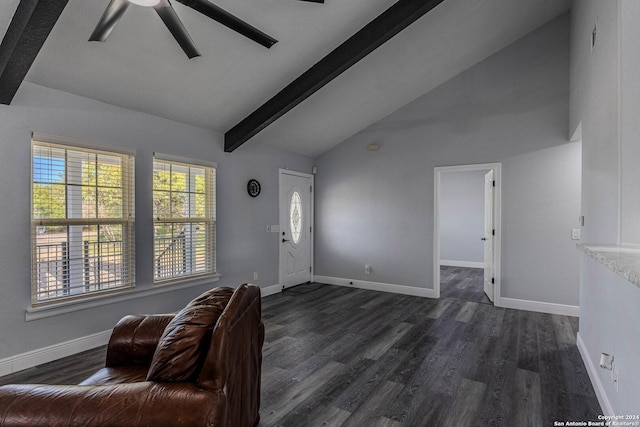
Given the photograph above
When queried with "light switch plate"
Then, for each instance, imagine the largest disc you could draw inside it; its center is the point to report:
(575, 234)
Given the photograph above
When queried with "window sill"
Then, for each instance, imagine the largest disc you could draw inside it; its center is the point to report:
(57, 309)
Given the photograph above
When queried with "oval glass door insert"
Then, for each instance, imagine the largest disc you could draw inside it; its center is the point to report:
(295, 217)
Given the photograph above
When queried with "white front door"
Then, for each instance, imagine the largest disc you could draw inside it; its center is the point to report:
(488, 234)
(295, 237)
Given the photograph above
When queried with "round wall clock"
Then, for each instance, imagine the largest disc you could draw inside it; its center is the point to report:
(253, 187)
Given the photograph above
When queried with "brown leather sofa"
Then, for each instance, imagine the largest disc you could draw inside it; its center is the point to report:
(200, 367)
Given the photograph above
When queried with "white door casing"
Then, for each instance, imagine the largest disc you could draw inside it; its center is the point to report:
(488, 234)
(296, 228)
(496, 210)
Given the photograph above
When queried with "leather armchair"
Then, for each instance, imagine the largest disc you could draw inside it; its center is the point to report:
(200, 367)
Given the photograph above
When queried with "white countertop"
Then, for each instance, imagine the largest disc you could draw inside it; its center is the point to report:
(624, 260)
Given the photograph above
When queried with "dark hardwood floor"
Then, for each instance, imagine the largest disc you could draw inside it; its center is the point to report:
(338, 356)
(463, 283)
(69, 370)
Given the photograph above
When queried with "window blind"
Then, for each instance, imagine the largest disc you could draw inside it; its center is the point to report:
(184, 219)
(82, 221)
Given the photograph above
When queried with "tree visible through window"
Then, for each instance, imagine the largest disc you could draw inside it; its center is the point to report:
(82, 221)
(184, 220)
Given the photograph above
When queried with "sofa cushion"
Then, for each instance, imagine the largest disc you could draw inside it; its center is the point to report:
(186, 338)
(117, 375)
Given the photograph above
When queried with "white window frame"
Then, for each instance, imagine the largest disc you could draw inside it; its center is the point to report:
(78, 275)
(192, 260)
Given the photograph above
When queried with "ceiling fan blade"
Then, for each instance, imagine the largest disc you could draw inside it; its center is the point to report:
(109, 18)
(225, 18)
(173, 23)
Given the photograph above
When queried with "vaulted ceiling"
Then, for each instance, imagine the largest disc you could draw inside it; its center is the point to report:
(141, 67)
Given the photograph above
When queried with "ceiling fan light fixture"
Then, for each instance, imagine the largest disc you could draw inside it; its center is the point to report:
(146, 3)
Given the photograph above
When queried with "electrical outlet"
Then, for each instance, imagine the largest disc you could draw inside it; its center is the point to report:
(255, 275)
(367, 269)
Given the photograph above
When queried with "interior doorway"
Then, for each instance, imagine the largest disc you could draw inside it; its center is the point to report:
(467, 226)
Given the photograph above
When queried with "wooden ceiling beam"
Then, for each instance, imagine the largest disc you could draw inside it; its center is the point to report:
(373, 35)
(28, 30)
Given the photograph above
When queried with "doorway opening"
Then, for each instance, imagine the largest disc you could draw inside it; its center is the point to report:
(467, 230)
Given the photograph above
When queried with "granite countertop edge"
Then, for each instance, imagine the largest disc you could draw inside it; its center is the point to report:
(624, 260)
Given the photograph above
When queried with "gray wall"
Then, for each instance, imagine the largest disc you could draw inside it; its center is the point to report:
(377, 207)
(594, 94)
(605, 99)
(629, 123)
(242, 241)
(462, 216)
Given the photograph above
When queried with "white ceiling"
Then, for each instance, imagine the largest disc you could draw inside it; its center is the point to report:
(141, 67)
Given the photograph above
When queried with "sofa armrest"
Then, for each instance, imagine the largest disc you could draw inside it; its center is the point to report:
(135, 404)
(135, 338)
(234, 361)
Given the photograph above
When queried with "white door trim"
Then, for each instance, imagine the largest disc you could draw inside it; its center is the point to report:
(497, 170)
(488, 234)
(312, 220)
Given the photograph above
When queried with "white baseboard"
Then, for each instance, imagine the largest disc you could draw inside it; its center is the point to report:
(377, 286)
(601, 394)
(540, 307)
(270, 290)
(467, 264)
(52, 352)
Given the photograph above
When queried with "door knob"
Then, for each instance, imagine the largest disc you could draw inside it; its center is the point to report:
(284, 240)
(484, 238)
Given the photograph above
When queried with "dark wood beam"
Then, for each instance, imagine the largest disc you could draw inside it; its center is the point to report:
(373, 35)
(28, 30)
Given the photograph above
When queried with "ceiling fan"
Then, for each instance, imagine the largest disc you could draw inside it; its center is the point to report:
(116, 9)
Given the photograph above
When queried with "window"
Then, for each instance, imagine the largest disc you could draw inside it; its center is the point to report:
(295, 217)
(184, 219)
(82, 222)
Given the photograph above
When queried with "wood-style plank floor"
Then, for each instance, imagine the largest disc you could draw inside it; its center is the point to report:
(463, 283)
(338, 356)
